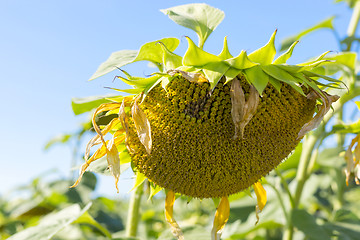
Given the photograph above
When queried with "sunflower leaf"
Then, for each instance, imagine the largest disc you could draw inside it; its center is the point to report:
(148, 52)
(140, 178)
(152, 51)
(83, 105)
(265, 54)
(285, 56)
(115, 61)
(200, 17)
(195, 56)
(242, 61)
(257, 77)
(170, 59)
(326, 24)
(225, 53)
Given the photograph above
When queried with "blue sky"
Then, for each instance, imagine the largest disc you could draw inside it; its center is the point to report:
(48, 50)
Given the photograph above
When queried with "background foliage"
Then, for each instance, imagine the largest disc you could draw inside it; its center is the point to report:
(307, 195)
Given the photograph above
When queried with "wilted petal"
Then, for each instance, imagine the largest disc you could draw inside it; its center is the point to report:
(96, 139)
(250, 107)
(352, 160)
(169, 205)
(242, 111)
(221, 217)
(261, 198)
(82, 171)
(349, 164)
(357, 173)
(113, 160)
(142, 126)
(237, 105)
(103, 108)
(327, 100)
(190, 76)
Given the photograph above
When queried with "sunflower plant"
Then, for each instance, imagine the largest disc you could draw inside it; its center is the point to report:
(210, 126)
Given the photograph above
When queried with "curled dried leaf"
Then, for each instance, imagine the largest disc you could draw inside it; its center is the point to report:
(221, 217)
(327, 100)
(169, 206)
(142, 126)
(242, 111)
(190, 76)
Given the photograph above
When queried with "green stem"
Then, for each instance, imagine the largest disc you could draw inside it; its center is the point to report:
(305, 158)
(286, 187)
(354, 21)
(133, 213)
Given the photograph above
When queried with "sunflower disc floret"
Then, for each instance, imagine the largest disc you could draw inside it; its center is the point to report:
(194, 152)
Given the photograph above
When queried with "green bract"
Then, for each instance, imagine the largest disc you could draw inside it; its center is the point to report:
(259, 67)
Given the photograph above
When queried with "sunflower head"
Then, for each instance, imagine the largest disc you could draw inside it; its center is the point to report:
(205, 125)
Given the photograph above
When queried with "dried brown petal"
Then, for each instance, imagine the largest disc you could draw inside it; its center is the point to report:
(327, 100)
(142, 126)
(190, 76)
(242, 111)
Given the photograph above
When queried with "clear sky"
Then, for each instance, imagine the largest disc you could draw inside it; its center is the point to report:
(48, 50)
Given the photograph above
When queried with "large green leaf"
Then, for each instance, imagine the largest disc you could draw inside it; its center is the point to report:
(82, 105)
(200, 17)
(326, 24)
(306, 223)
(150, 51)
(116, 60)
(153, 52)
(51, 224)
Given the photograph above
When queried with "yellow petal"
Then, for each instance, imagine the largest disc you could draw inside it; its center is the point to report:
(327, 100)
(82, 171)
(351, 161)
(169, 204)
(221, 217)
(95, 139)
(142, 126)
(261, 199)
(102, 108)
(113, 160)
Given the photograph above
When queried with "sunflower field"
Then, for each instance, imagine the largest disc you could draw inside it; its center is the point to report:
(220, 146)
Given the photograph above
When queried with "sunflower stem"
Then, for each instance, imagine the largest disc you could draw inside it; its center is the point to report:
(354, 21)
(286, 187)
(133, 212)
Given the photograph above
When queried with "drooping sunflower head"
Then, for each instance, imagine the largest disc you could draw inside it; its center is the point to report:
(206, 125)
